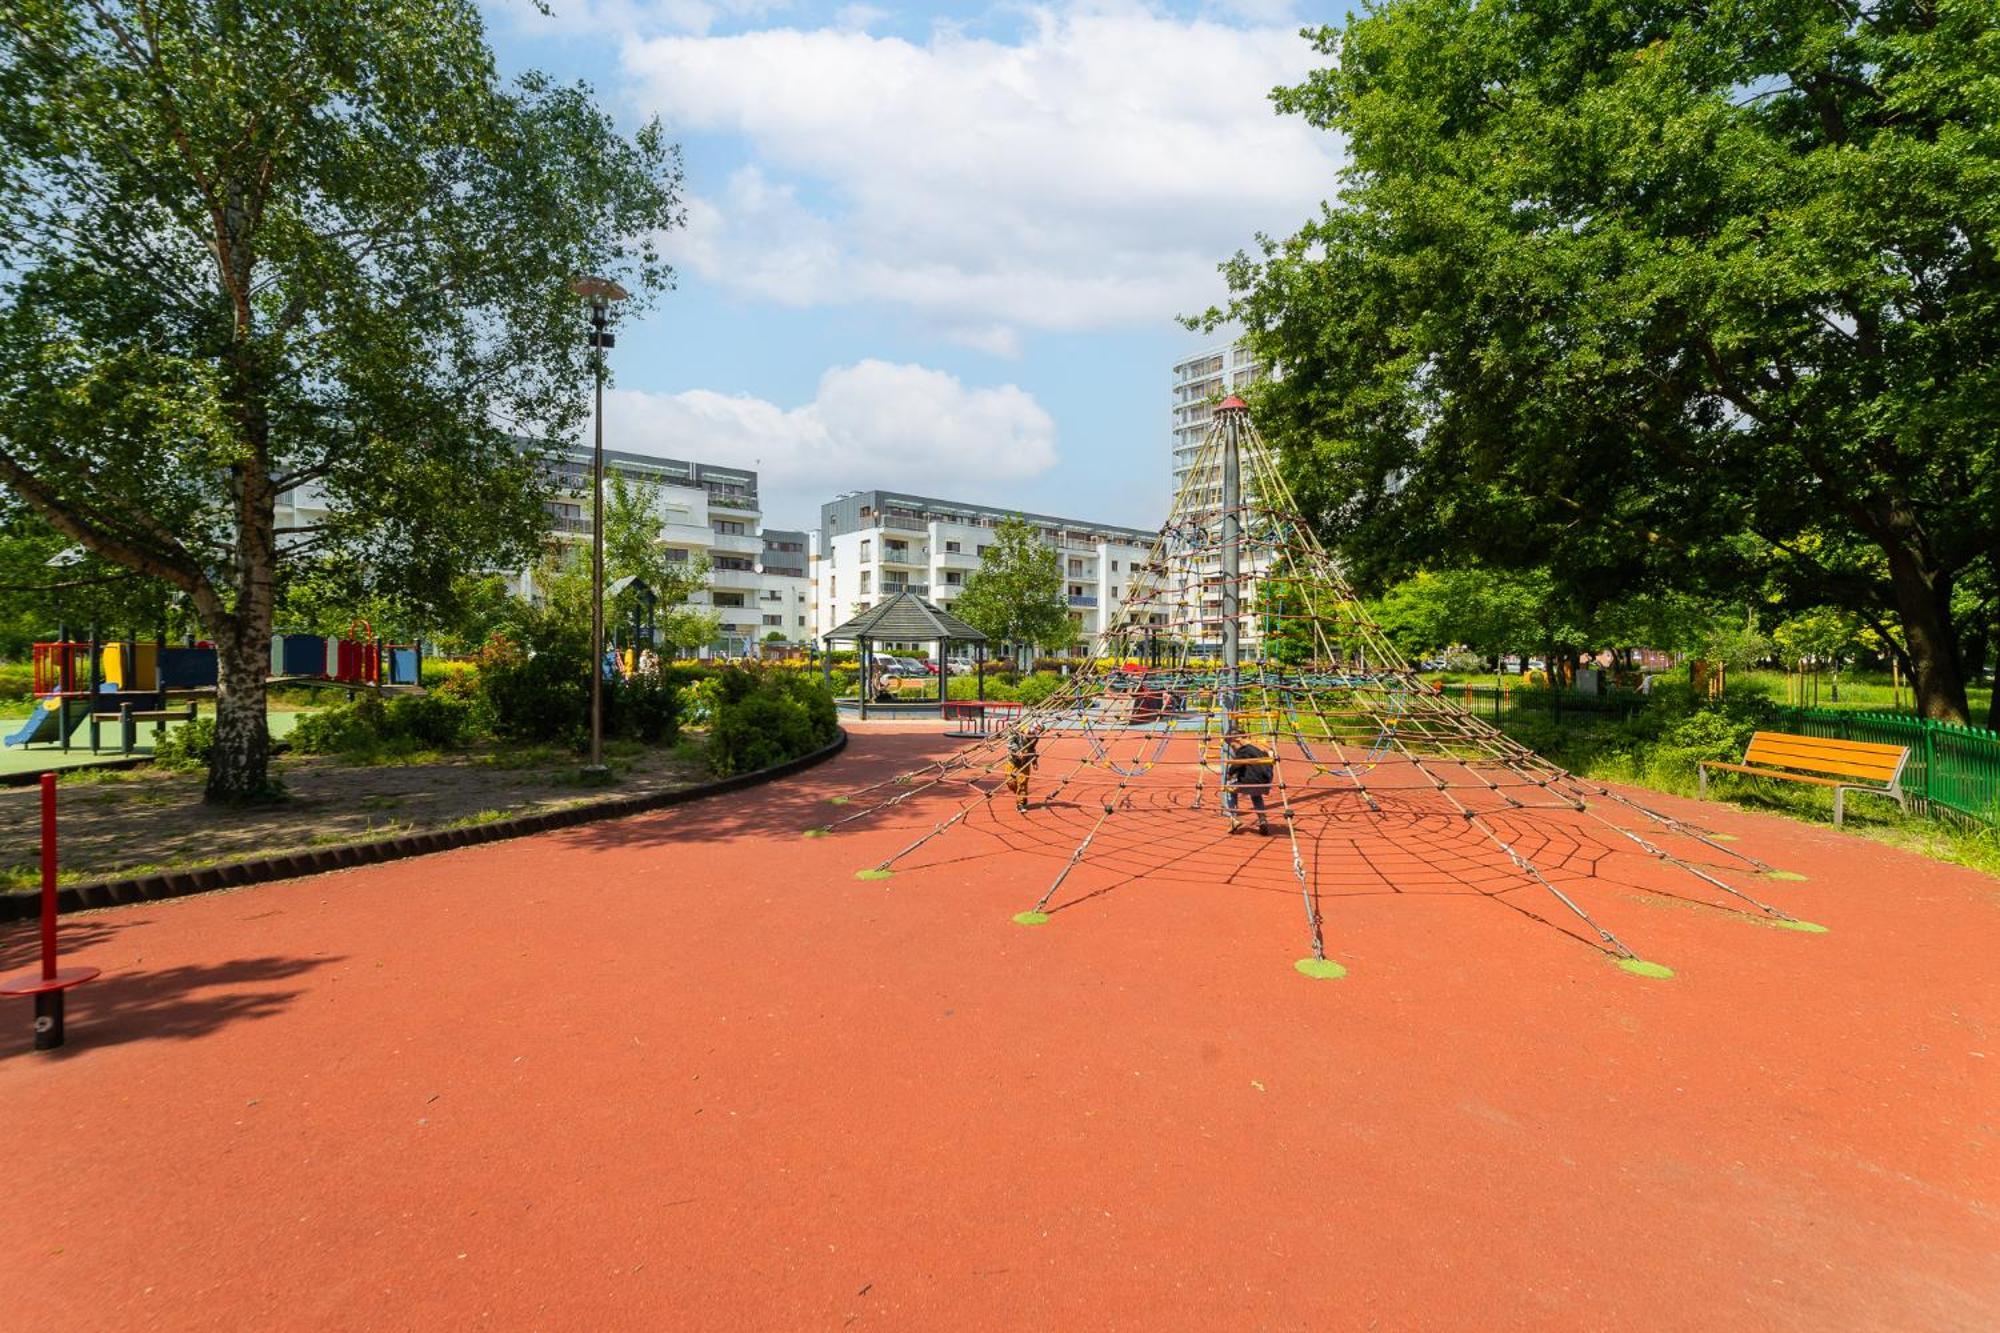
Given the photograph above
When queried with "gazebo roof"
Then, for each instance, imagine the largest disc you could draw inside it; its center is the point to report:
(906, 618)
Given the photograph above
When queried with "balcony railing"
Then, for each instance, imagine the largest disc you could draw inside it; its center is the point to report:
(901, 524)
(1082, 601)
(920, 589)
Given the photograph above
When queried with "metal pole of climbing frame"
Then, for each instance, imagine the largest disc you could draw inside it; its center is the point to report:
(1232, 554)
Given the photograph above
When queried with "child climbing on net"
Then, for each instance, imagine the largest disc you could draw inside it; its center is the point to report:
(1246, 771)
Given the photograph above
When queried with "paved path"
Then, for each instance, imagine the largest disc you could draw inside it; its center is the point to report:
(685, 1072)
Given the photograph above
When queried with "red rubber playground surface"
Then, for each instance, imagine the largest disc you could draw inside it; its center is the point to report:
(684, 1071)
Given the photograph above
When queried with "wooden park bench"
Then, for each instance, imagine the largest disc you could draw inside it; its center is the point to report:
(1844, 766)
(128, 718)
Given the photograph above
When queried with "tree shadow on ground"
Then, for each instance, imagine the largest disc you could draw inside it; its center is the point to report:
(144, 1004)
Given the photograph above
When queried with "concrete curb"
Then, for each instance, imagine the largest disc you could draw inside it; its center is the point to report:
(344, 856)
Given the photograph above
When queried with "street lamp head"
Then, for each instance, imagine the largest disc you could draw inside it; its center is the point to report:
(598, 291)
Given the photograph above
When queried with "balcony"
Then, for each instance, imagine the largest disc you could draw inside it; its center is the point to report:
(738, 502)
(907, 557)
(1082, 601)
(742, 579)
(956, 560)
(920, 589)
(901, 524)
(736, 543)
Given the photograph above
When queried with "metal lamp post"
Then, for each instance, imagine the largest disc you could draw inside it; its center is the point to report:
(600, 293)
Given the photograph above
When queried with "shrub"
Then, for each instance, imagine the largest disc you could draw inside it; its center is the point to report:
(368, 727)
(346, 729)
(536, 697)
(186, 746)
(1038, 687)
(17, 681)
(761, 718)
(430, 721)
(644, 708)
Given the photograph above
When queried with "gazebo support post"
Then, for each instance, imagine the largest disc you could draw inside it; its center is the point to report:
(867, 674)
(944, 674)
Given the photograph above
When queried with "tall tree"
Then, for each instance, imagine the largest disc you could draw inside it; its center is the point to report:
(1710, 285)
(253, 247)
(1016, 595)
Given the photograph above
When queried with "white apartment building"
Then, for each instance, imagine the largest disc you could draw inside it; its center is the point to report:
(1200, 382)
(705, 512)
(872, 545)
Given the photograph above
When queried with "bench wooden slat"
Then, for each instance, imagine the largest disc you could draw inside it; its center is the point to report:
(1860, 752)
(1775, 773)
(1833, 768)
(1829, 745)
(1869, 763)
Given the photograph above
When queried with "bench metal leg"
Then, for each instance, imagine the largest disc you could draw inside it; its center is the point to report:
(1701, 780)
(1839, 805)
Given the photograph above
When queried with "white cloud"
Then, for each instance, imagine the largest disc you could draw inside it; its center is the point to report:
(627, 18)
(1090, 175)
(870, 424)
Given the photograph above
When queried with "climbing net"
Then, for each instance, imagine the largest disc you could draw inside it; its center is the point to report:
(1244, 679)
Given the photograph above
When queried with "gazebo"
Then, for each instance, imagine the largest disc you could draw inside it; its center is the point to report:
(904, 618)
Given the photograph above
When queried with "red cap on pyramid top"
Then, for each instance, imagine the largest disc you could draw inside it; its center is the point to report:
(1233, 404)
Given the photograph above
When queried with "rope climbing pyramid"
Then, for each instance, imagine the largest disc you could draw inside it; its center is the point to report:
(1244, 689)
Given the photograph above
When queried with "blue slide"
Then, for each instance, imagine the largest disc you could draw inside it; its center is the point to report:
(43, 725)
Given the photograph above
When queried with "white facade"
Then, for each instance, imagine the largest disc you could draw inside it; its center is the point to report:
(705, 512)
(1200, 383)
(872, 545)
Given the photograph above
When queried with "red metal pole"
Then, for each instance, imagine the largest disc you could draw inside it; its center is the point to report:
(48, 877)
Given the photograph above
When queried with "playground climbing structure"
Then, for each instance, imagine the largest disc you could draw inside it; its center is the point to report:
(1242, 651)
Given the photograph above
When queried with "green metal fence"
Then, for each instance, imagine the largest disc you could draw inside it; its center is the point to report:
(1952, 768)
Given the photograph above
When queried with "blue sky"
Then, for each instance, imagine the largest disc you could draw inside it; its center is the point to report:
(938, 249)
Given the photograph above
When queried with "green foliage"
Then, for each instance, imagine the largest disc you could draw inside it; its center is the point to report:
(1016, 595)
(644, 708)
(370, 728)
(1653, 296)
(1038, 687)
(763, 717)
(539, 696)
(318, 244)
(187, 746)
(17, 682)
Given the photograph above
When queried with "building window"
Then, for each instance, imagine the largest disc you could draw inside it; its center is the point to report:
(867, 551)
(951, 548)
(865, 579)
(768, 620)
(734, 599)
(952, 578)
(727, 526)
(676, 555)
(802, 622)
(732, 562)
(1114, 566)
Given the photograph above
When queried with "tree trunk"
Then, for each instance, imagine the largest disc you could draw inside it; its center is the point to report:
(1923, 603)
(239, 768)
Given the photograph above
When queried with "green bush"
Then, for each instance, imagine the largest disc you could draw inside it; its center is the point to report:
(538, 698)
(17, 682)
(368, 727)
(187, 746)
(346, 729)
(430, 721)
(763, 717)
(644, 708)
(1038, 687)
